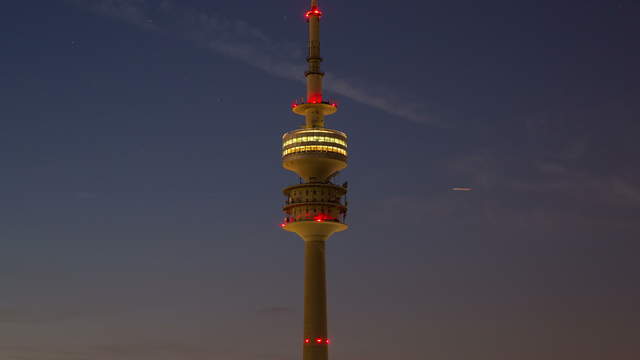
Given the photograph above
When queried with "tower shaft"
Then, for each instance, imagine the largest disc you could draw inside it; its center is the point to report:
(315, 287)
(315, 300)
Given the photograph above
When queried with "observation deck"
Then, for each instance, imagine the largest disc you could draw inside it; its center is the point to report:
(314, 153)
(319, 204)
(325, 107)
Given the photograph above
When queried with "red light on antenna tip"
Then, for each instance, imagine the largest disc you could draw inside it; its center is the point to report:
(314, 11)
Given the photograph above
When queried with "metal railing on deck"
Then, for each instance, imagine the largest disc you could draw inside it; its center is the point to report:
(317, 218)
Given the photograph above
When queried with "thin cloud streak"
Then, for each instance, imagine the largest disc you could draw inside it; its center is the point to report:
(239, 40)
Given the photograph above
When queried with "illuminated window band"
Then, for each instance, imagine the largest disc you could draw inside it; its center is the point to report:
(298, 149)
(312, 131)
(304, 139)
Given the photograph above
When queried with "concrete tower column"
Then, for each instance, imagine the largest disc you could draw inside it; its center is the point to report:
(315, 300)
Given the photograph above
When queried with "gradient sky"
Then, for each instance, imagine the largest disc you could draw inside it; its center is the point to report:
(141, 179)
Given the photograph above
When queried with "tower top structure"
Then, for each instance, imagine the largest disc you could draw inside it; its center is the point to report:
(315, 153)
(315, 107)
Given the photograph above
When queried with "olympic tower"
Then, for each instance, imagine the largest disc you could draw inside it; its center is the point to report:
(314, 208)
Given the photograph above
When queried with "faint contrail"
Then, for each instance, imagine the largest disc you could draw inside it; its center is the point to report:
(239, 40)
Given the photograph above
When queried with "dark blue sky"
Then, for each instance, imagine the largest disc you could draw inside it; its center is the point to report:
(141, 179)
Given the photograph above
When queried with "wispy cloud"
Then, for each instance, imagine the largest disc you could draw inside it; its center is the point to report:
(239, 40)
(542, 184)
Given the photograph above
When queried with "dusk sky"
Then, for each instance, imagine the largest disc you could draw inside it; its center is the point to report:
(141, 179)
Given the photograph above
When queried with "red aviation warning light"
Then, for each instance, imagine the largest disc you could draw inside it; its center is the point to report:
(318, 341)
(315, 98)
(313, 12)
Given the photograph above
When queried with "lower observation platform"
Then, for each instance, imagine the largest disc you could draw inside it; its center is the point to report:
(326, 107)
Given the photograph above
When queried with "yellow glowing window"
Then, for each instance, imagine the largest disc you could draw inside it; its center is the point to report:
(314, 148)
(306, 139)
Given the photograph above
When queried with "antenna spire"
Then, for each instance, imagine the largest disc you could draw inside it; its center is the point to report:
(314, 74)
(315, 107)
